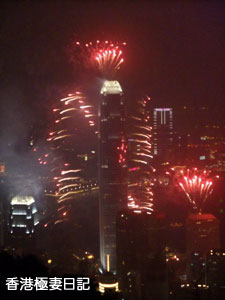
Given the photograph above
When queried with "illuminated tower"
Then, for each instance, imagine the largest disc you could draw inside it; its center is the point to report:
(23, 214)
(112, 169)
(163, 132)
(22, 221)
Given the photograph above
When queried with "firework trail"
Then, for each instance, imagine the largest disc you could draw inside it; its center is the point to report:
(140, 194)
(122, 150)
(71, 114)
(197, 186)
(106, 56)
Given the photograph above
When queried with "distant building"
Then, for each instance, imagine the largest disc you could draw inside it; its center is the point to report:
(112, 168)
(216, 273)
(23, 218)
(162, 133)
(141, 260)
(206, 275)
(203, 234)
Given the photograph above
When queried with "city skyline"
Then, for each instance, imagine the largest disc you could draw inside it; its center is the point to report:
(156, 65)
(112, 147)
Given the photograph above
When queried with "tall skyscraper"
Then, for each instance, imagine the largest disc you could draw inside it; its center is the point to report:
(112, 169)
(162, 132)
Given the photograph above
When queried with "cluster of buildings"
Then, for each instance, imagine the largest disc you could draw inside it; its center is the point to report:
(136, 260)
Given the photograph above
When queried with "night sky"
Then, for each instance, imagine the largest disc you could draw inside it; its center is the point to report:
(175, 53)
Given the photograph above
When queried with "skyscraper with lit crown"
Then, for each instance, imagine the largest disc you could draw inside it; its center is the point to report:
(112, 169)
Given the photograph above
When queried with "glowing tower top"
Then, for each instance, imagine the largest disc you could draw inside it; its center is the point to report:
(111, 87)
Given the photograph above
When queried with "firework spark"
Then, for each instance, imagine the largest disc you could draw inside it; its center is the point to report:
(70, 112)
(196, 185)
(106, 56)
(140, 182)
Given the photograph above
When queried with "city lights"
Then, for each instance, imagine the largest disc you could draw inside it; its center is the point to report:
(98, 180)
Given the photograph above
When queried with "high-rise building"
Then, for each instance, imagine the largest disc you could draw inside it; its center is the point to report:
(202, 236)
(216, 273)
(141, 260)
(23, 218)
(112, 169)
(203, 233)
(162, 132)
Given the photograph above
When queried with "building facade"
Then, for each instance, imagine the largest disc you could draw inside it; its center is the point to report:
(202, 232)
(112, 169)
(140, 255)
(162, 132)
(23, 217)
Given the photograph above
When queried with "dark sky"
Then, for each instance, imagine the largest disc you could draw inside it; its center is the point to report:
(175, 52)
